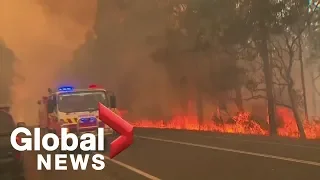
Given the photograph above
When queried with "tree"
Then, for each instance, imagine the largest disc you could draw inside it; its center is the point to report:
(263, 20)
(313, 39)
(254, 20)
(283, 62)
(194, 42)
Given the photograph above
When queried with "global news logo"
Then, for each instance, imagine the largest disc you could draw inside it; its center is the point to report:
(69, 142)
(23, 140)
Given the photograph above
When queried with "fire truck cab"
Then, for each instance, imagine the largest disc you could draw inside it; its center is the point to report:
(75, 109)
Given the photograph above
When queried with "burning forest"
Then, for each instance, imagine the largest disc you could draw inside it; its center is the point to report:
(213, 55)
(225, 66)
(241, 123)
(215, 89)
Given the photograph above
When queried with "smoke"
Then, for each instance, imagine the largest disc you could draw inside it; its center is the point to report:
(118, 56)
(43, 35)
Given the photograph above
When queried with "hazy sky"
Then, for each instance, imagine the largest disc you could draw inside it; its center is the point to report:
(43, 35)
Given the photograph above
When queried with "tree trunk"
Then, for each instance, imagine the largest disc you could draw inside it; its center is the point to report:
(269, 84)
(303, 82)
(294, 105)
(184, 93)
(314, 95)
(259, 6)
(199, 107)
(238, 99)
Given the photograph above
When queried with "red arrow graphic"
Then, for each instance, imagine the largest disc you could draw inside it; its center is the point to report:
(120, 126)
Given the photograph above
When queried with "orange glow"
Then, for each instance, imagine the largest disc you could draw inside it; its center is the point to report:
(290, 129)
(242, 125)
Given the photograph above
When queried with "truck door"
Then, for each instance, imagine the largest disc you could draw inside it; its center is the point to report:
(51, 109)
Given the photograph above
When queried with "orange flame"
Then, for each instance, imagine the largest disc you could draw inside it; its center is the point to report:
(242, 125)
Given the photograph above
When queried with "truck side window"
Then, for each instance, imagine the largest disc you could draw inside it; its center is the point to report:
(52, 104)
(106, 101)
(54, 101)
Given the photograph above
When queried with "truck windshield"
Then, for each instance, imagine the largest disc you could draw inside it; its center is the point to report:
(80, 101)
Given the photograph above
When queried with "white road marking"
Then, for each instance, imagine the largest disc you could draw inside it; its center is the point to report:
(234, 151)
(263, 142)
(144, 174)
(311, 146)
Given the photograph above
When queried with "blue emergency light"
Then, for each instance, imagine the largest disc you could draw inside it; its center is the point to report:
(88, 120)
(66, 88)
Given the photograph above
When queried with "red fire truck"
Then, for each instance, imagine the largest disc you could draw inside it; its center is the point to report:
(75, 109)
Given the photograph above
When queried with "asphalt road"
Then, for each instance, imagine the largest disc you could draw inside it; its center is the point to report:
(186, 155)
